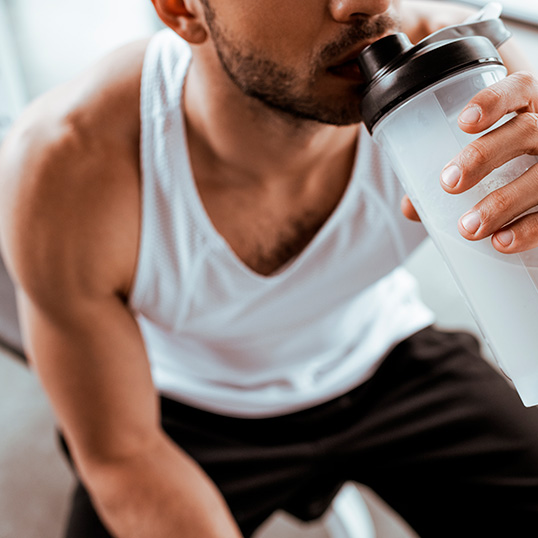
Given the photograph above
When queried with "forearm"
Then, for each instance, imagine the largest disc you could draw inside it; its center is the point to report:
(162, 494)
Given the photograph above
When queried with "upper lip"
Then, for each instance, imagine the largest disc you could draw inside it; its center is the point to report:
(354, 53)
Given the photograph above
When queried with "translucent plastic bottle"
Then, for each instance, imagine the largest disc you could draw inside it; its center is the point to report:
(411, 106)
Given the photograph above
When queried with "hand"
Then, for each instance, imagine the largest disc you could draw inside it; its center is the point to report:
(500, 213)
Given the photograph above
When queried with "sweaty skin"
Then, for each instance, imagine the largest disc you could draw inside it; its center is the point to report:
(70, 217)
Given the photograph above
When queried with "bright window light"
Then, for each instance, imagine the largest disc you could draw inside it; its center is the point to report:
(523, 10)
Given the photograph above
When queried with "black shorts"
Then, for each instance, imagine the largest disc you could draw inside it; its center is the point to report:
(436, 432)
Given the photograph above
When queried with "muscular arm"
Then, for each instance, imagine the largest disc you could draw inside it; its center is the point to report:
(69, 232)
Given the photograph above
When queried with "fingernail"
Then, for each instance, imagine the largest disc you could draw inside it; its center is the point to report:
(451, 176)
(505, 237)
(471, 221)
(472, 114)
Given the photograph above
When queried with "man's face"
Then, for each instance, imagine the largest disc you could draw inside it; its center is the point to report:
(295, 55)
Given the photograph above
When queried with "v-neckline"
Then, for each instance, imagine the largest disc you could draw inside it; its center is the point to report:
(204, 219)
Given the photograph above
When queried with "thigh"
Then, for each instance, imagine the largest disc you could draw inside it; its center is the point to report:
(447, 442)
(259, 465)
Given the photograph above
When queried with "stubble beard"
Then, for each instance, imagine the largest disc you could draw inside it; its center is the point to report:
(280, 89)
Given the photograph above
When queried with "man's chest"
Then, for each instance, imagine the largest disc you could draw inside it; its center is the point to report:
(268, 228)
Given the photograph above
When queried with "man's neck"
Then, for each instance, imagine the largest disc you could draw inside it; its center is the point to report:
(231, 132)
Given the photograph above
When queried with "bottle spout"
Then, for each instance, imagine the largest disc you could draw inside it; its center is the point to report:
(492, 29)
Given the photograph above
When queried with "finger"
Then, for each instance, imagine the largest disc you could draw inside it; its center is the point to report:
(408, 209)
(521, 235)
(501, 207)
(515, 93)
(517, 137)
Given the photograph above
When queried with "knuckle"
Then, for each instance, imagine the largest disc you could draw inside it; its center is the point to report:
(498, 202)
(492, 95)
(525, 78)
(477, 152)
(528, 123)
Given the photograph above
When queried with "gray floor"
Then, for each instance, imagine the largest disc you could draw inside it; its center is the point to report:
(34, 481)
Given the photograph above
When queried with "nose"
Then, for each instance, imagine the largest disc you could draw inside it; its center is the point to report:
(347, 10)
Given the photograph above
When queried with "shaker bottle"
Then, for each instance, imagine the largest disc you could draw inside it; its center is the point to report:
(411, 102)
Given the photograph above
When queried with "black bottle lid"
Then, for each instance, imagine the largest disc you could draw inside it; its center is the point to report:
(394, 70)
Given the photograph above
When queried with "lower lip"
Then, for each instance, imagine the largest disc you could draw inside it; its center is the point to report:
(348, 71)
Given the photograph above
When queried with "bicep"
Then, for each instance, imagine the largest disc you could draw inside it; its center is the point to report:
(71, 257)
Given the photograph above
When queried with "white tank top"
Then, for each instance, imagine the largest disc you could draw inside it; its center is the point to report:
(224, 338)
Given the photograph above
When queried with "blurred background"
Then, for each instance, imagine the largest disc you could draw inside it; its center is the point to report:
(43, 44)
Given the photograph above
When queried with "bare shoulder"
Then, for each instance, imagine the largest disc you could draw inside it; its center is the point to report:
(423, 17)
(69, 178)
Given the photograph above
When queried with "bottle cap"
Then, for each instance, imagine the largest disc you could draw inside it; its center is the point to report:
(395, 70)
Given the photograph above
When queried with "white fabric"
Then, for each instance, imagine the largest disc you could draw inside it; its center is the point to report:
(224, 338)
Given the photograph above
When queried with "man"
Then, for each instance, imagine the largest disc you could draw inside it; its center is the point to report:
(205, 249)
